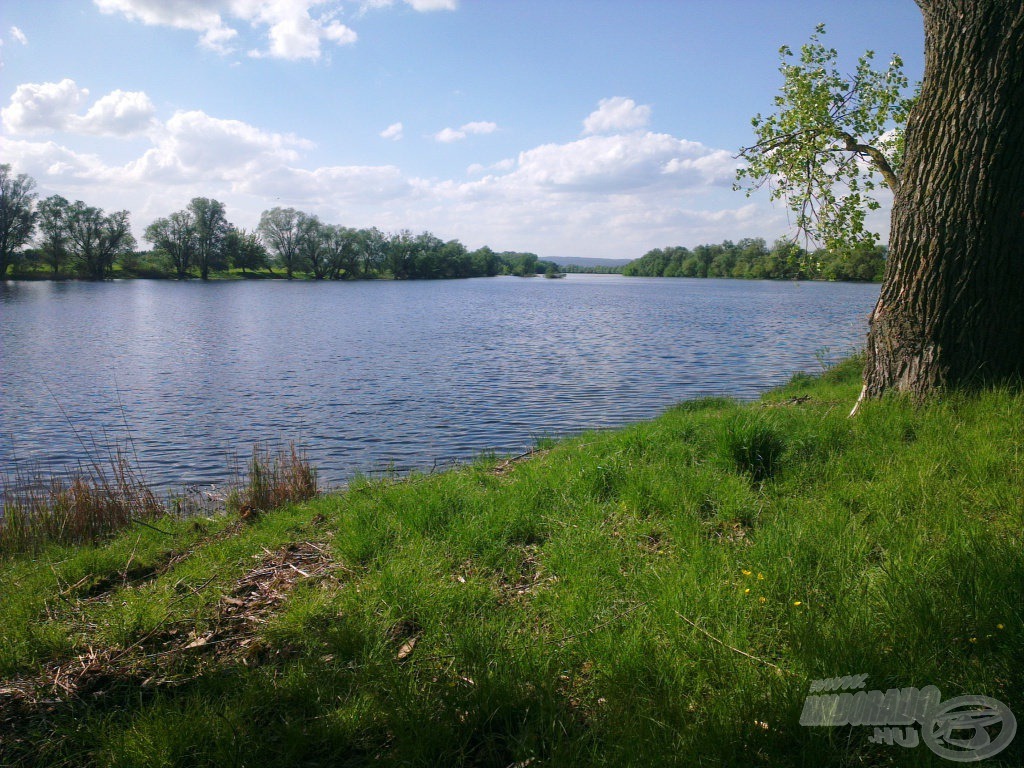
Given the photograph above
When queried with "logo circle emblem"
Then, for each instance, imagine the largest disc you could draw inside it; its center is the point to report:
(958, 728)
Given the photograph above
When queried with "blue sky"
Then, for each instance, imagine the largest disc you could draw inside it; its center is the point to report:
(600, 128)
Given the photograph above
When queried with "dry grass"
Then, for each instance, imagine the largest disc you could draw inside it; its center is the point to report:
(169, 655)
(87, 508)
(274, 479)
(100, 501)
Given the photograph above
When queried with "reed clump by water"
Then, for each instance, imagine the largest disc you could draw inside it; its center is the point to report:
(84, 509)
(103, 499)
(274, 480)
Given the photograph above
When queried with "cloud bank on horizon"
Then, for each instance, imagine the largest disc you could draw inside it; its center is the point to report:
(614, 187)
(617, 176)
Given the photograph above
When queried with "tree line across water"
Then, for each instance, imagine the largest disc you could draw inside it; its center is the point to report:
(752, 259)
(78, 240)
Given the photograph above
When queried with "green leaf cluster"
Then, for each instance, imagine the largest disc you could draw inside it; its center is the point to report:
(833, 142)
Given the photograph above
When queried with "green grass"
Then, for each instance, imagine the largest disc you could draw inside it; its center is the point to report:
(542, 612)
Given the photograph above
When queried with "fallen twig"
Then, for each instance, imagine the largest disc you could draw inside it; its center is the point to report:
(621, 614)
(724, 644)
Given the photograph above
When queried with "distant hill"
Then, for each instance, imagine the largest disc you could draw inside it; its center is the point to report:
(585, 261)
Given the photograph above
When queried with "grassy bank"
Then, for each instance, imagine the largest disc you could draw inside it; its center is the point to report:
(657, 595)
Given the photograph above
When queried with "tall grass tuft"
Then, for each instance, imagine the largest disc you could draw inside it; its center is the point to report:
(90, 507)
(274, 479)
(753, 445)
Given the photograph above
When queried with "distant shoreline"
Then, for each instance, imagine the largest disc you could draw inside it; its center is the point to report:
(569, 270)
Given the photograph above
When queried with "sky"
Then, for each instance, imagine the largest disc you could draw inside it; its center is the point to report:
(598, 128)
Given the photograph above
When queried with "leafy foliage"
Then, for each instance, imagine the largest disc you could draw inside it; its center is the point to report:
(280, 230)
(751, 258)
(833, 142)
(97, 239)
(211, 229)
(175, 236)
(53, 240)
(245, 251)
(200, 239)
(17, 217)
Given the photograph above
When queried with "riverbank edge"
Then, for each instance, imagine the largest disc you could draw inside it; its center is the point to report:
(642, 595)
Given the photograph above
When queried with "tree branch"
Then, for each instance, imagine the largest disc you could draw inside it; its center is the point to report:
(776, 142)
(880, 160)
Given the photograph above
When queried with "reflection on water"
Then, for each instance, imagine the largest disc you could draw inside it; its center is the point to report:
(368, 374)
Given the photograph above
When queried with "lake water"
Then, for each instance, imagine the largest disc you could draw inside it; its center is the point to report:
(370, 374)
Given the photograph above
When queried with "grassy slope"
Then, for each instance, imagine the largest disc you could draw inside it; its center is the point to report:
(542, 610)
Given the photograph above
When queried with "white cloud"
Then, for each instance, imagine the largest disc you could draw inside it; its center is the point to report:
(218, 39)
(432, 5)
(422, 6)
(394, 132)
(327, 186)
(505, 212)
(449, 135)
(625, 161)
(18, 35)
(53, 164)
(480, 127)
(501, 166)
(617, 114)
(294, 34)
(37, 107)
(119, 113)
(715, 166)
(608, 195)
(182, 14)
(193, 145)
(338, 33)
(53, 107)
(616, 195)
(295, 29)
(295, 38)
(196, 15)
(601, 195)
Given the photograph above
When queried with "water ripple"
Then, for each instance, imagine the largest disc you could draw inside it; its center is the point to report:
(364, 375)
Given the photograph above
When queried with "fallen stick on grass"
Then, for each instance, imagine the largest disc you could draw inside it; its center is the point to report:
(734, 649)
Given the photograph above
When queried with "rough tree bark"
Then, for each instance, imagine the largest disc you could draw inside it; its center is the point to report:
(951, 308)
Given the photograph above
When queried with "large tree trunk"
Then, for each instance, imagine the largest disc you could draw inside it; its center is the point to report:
(951, 309)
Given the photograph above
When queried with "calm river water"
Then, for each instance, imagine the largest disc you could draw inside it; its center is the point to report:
(370, 374)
